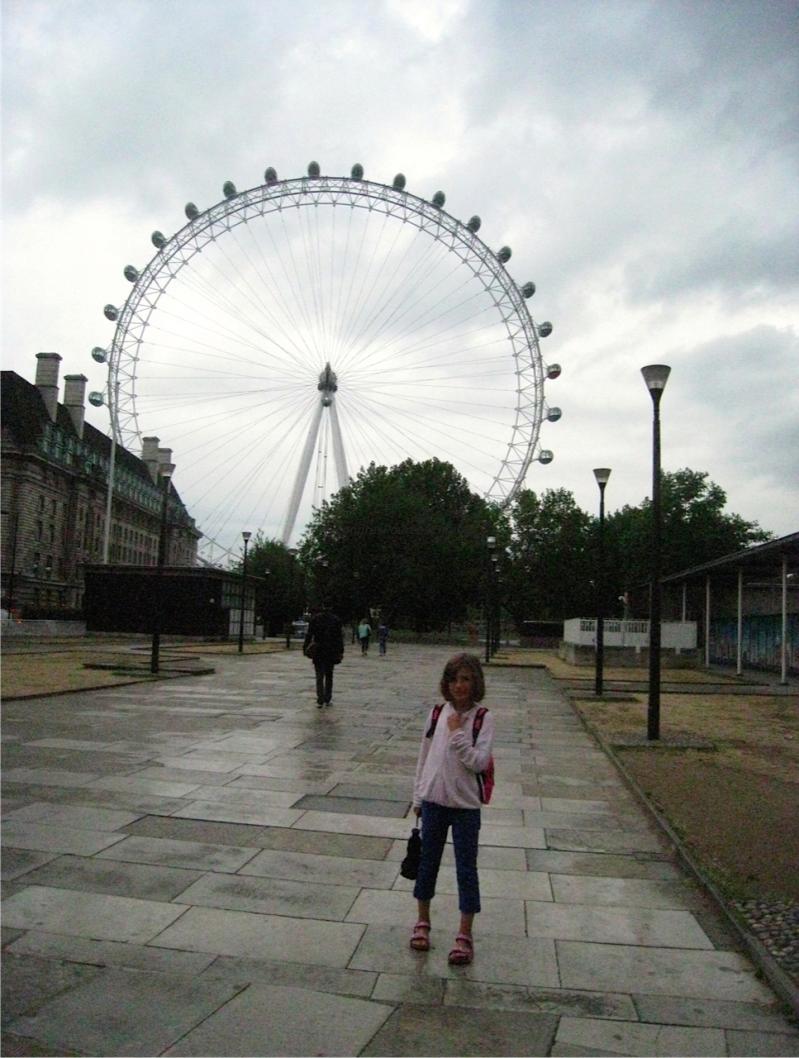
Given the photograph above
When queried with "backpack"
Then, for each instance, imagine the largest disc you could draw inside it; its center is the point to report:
(485, 779)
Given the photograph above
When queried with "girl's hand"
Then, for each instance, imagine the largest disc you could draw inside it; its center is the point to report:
(417, 812)
(453, 721)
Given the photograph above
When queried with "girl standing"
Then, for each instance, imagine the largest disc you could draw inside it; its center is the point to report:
(447, 794)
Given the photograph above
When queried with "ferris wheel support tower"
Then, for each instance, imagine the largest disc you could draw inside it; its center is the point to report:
(328, 384)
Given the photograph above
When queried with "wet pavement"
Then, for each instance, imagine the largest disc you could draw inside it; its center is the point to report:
(210, 866)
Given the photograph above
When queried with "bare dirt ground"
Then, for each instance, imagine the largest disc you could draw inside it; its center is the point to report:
(34, 667)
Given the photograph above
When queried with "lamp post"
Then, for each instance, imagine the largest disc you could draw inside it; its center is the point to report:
(496, 608)
(655, 377)
(491, 543)
(246, 538)
(165, 472)
(601, 474)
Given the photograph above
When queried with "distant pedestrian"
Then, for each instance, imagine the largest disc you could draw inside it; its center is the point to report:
(324, 645)
(364, 634)
(382, 636)
(448, 792)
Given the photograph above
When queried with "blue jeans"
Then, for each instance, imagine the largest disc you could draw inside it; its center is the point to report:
(465, 823)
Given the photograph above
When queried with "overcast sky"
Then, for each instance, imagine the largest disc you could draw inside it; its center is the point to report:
(639, 158)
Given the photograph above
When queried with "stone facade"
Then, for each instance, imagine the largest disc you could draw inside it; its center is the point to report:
(55, 471)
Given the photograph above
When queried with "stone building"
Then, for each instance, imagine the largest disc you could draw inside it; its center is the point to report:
(55, 470)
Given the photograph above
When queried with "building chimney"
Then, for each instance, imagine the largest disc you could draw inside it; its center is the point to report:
(149, 455)
(164, 457)
(47, 381)
(74, 394)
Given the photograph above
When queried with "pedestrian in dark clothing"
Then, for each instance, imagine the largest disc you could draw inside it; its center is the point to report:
(324, 644)
(382, 636)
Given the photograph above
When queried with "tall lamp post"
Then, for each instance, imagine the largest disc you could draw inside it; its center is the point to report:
(165, 472)
(246, 538)
(491, 543)
(495, 591)
(655, 377)
(601, 474)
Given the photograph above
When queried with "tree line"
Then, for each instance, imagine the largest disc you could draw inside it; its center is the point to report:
(410, 540)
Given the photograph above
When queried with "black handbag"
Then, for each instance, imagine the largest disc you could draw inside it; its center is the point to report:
(410, 865)
(309, 650)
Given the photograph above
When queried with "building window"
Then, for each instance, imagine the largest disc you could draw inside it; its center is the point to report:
(36, 560)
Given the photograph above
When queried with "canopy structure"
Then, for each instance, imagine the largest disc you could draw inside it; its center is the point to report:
(759, 588)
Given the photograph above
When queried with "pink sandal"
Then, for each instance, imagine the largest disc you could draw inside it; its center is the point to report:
(420, 938)
(463, 952)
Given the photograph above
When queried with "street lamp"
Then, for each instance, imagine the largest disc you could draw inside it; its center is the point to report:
(655, 377)
(246, 538)
(491, 543)
(601, 474)
(496, 608)
(165, 472)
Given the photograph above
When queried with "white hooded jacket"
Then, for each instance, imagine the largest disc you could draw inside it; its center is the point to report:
(448, 764)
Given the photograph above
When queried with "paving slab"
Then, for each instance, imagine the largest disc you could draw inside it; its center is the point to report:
(307, 975)
(741, 1044)
(470, 994)
(615, 925)
(625, 892)
(661, 971)
(28, 983)
(113, 1013)
(258, 936)
(250, 813)
(498, 915)
(336, 870)
(88, 914)
(626, 1037)
(286, 1021)
(421, 1029)
(17, 862)
(355, 805)
(600, 864)
(110, 953)
(712, 1013)
(192, 855)
(96, 875)
(271, 896)
(56, 839)
(73, 816)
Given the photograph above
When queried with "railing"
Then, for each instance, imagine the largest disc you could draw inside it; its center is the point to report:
(674, 635)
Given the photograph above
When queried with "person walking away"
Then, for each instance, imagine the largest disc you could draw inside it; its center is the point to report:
(447, 793)
(382, 636)
(326, 633)
(364, 632)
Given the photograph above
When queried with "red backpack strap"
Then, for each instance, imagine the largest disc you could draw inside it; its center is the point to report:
(477, 723)
(436, 713)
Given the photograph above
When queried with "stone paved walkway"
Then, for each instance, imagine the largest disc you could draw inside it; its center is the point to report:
(210, 866)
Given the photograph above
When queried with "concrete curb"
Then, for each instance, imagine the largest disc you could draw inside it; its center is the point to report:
(785, 987)
(149, 678)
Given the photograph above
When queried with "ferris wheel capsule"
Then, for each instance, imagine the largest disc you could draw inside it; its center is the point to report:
(357, 171)
(504, 254)
(544, 329)
(158, 239)
(130, 273)
(545, 456)
(191, 210)
(314, 170)
(474, 224)
(438, 199)
(528, 290)
(229, 189)
(96, 399)
(99, 354)
(111, 312)
(270, 176)
(399, 181)
(553, 414)
(553, 371)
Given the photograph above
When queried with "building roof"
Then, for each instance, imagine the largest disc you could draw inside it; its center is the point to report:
(25, 416)
(761, 560)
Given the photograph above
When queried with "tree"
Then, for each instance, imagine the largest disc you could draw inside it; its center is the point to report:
(408, 540)
(696, 530)
(550, 575)
(282, 597)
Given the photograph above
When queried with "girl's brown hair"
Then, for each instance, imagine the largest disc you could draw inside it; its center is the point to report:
(473, 667)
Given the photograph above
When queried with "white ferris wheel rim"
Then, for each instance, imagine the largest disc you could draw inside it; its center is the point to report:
(236, 208)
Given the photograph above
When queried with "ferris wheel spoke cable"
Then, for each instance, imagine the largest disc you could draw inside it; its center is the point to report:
(404, 292)
(293, 327)
(381, 298)
(429, 447)
(300, 289)
(419, 411)
(234, 309)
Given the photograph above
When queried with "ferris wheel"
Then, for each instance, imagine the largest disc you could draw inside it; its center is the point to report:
(304, 328)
